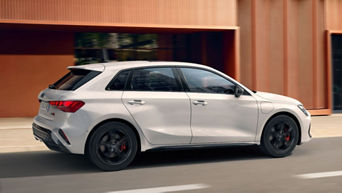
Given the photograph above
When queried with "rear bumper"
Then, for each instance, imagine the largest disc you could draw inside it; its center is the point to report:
(46, 136)
(73, 136)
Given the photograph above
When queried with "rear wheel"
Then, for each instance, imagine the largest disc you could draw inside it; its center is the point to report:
(280, 136)
(112, 146)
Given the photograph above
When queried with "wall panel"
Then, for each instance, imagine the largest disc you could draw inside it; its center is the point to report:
(135, 13)
(276, 47)
(287, 49)
(292, 49)
(29, 62)
(244, 21)
(321, 79)
(305, 55)
(269, 45)
(333, 12)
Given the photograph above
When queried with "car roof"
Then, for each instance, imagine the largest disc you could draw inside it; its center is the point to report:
(132, 64)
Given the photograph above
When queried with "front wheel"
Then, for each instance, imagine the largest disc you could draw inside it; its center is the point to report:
(280, 136)
(112, 146)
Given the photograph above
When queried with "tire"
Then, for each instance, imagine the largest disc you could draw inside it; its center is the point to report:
(280, 136)
(113, 146)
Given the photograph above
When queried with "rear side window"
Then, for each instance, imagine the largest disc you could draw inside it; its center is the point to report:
(119, 81)
(154, 79)
(74, 79)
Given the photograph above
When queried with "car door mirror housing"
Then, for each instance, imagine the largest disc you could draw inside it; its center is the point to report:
(238, 91)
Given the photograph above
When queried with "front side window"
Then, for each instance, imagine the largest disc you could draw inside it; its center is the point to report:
(204, 81)
(154, 79)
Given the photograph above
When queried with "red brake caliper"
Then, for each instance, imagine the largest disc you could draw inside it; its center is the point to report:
(123, 147)
(287, 137)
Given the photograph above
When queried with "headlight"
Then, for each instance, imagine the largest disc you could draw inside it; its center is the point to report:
(301, 107)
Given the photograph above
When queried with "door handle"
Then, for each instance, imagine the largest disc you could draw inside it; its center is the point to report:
(136, 102)
(200, 102)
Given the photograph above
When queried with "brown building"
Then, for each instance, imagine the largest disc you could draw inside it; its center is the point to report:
(290, 47)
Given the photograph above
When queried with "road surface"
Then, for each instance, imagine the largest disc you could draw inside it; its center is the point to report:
(231, 169)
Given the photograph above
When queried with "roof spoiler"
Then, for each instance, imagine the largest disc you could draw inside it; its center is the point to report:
(94, 67)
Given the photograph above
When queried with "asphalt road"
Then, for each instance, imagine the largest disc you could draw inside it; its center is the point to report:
(231, 169)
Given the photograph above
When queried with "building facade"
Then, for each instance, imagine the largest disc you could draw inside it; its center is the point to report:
(289, 47)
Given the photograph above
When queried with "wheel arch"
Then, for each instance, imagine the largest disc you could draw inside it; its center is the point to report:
(114, 120)
(291, 116)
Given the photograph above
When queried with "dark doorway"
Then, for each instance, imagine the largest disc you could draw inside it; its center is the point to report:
(199, 47)
(336, 41)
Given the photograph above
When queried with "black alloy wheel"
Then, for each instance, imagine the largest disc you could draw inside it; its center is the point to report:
(280, 136)
(112, 146)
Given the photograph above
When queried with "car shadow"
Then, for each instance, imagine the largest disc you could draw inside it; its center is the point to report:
(43, 163)
(168, 157)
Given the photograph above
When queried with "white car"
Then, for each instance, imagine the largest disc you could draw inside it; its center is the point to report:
(112, 111)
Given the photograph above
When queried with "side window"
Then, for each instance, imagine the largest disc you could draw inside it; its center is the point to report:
(206, 82)
(119, 81)
(154, 79)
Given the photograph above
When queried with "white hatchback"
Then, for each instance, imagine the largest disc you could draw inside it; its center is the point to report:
(112, 111)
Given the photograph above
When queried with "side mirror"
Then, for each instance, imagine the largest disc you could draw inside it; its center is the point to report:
(238, 91)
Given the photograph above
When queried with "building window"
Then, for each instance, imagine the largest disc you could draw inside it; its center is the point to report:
(197, 47)
(101, 47)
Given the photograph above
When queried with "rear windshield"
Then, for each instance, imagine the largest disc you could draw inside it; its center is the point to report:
(74, 79)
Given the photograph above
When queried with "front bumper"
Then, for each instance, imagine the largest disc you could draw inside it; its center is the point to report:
(306, 129)
(45, 136)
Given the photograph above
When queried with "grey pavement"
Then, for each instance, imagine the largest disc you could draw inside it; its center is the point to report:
(16, 136)
(327, 126)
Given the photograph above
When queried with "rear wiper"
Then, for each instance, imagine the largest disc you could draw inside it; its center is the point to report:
(52, 86)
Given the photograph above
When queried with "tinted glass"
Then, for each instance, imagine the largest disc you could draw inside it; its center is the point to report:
(204, 81)
(74, 79)
(154, 79)
(119, 81)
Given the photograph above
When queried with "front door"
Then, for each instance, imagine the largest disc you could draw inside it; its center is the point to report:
(159, 106)
(217, 115)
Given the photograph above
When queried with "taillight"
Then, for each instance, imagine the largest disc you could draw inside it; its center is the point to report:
(67, 106)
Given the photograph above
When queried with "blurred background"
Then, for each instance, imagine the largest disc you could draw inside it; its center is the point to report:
(289, 47)
(101, 47)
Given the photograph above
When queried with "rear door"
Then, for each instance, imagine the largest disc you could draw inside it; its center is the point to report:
(155, 99)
